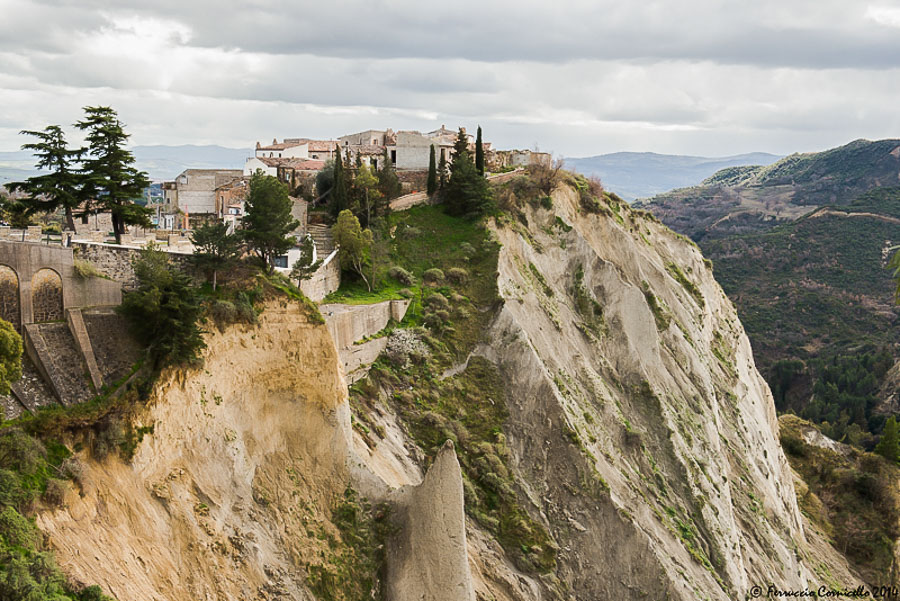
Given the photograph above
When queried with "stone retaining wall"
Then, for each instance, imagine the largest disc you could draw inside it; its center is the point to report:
(116, 261)
(324, 281)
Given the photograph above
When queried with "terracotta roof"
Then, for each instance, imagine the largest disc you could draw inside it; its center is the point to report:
(273, 161)
(304, 164)
(281, 145)
(322, 145)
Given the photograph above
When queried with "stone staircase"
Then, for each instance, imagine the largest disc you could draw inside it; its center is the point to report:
(321, 235)
(60, 360)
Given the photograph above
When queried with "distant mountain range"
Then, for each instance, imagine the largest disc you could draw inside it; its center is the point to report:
(634, 175)
(800, 247)
(161, 162)
(746, 199)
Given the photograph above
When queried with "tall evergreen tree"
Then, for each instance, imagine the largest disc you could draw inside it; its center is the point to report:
(268, 221)
(431, 187)
(388, 182)
(109, 172)
(442, 171)
(62, 186)
(340, 194)
(889, 445)
(467, 191)
(479, 154)
(214, 248)
(460, 145)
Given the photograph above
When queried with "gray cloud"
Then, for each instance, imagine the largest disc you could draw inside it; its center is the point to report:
(578, 77)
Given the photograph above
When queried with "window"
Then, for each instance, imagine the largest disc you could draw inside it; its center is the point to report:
(394, 156)
(280, 261)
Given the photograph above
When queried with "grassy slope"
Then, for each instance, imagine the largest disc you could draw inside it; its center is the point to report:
(463, 407)
(852, 498)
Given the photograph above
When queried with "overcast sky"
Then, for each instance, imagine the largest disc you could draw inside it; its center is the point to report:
(575, 77)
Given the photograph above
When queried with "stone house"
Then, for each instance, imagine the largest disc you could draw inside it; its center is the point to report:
(408, 150)
(194, 191)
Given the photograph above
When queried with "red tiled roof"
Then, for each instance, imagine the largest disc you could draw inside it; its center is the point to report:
(304, 164)
(281, 145)
(322, 145)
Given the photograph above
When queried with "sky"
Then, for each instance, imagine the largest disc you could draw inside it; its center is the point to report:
(572, 77)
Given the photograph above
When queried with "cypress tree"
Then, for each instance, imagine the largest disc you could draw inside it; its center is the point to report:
(339, 192)
(889, 445)
(432, 174)
(442, 172)
(479, 154)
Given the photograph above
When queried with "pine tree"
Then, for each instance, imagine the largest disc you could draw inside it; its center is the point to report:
(268, 221)
(109, 172)
(62, 187)
(339, 192)
(214, 248)
(432, 174)
(889, 445)
(479, 154)
(460, 145)
(388, 182)
(467, 191)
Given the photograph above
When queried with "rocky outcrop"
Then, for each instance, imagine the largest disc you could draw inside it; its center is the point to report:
(427, 559)
(644, 437)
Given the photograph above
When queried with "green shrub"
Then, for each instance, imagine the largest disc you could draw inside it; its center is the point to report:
(164, 311)
(437, 301)
(86, 269)
(433, 276)
(457, 275)
(401, 275)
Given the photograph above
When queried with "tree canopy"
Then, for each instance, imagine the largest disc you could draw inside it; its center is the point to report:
(889, 445)
(340, 193)
(10, 356)
(467, 192)
(214, 248)
(63, 185)
(268, 221)
(431, 186)
(479, 153)
(164, 311)
(354, 244)
(109, 173)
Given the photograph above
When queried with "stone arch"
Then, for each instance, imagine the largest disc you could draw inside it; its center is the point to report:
(47, 296)
(9, 295)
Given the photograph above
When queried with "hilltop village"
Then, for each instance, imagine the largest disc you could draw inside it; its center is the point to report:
(59, 286)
